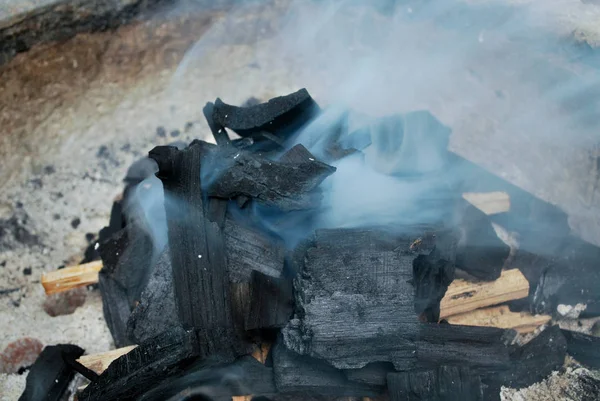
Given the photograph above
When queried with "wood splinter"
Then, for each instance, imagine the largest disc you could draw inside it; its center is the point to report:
(71, 277)
(502, 317)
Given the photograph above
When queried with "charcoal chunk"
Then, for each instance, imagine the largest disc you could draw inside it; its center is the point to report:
(480, 252)
(281, 116)
(584, 348)
(156, 312)
(306, 375)
(282, 185)
(51, 373)
(532, 362)
(144, 367)
(219, 133)
(431, 277)
(271, 302)
(197, 248)
(218, 381)
(373, 374)
(446, 383)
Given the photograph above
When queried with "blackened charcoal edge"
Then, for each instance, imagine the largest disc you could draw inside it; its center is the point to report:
(584, 348)
(198, 255)
(51, 373)
(281, 116)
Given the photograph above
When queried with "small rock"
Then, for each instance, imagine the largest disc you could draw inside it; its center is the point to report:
(161, 132)
(75, 222)
(65, 303)
(27, 271)
(89, 237)
(56, 216)
(20, 354)
(175, 133)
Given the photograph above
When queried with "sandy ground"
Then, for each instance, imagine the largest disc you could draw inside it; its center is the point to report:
(76, 115)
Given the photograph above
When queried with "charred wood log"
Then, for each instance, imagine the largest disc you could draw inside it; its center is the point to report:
(51, 373)
(281, 116)
(271, 302)
(584, 348)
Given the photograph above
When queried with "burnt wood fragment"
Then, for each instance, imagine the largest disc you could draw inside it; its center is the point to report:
(250, 249)
(374, 374)
(431, 277)
(282, 185)
(532, 362)
(156, 312)
(217, 381)
(446, 383)
(584, 348)
(282, 116)
(480, 252)
(144, 367)
(219, 133)
(271, 302)
(51, 373)
(311, 376)
(197, 248)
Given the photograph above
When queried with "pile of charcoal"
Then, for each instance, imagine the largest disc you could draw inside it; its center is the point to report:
(337, 312)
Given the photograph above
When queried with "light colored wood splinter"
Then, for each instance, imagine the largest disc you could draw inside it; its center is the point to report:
(71, 277)
(489, 202)
(464, 296)
(502, 317)
(99, 362)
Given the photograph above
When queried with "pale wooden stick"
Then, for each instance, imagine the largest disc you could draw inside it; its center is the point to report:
(99, 362)
(489, 202)
(464, 296)
(502, 317)
(71, 277)
(261, 353)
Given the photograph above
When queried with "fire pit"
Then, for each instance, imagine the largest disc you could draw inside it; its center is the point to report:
(351, 249)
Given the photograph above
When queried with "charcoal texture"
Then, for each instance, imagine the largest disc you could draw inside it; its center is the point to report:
(480, 252)
(280, 116)
(277, 184)
(584, 348)
(306, 375)
(51, 373)
(374, 374)
(446, 383)
(144, 367)
(198, 255)
(156, 312)
(272, 302)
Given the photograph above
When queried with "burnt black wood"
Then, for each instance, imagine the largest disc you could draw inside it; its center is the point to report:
(51, 373)
(584, 348)
(271, 304)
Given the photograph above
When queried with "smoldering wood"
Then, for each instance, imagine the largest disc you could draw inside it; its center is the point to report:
(144, 367)
(249, 248)
(445, 383)
(294, 373)
(584, 348)
(51, 373)
(480, 252)
(156, 312)
(198, 257)
(532, 362)
(236, 173)
(271, 302)
(218, 381)
(219, 132)
(282, 116)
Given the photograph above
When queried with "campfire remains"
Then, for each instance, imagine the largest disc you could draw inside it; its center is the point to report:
(425, 311)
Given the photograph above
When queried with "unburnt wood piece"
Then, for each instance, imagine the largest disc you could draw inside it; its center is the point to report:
(281, 116)
(71, 277)
(197, 249)
(480, 253)
(271, 302)
(584, 348)
(250, 249)
(446, 383)
(143, 368)
(218, 381)
(100, 362)
(51, 373)
(306, 375)
(286, 186)
(489, 202)
(502, 317)
(156, 312)
(532, 362)
(464, 296)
